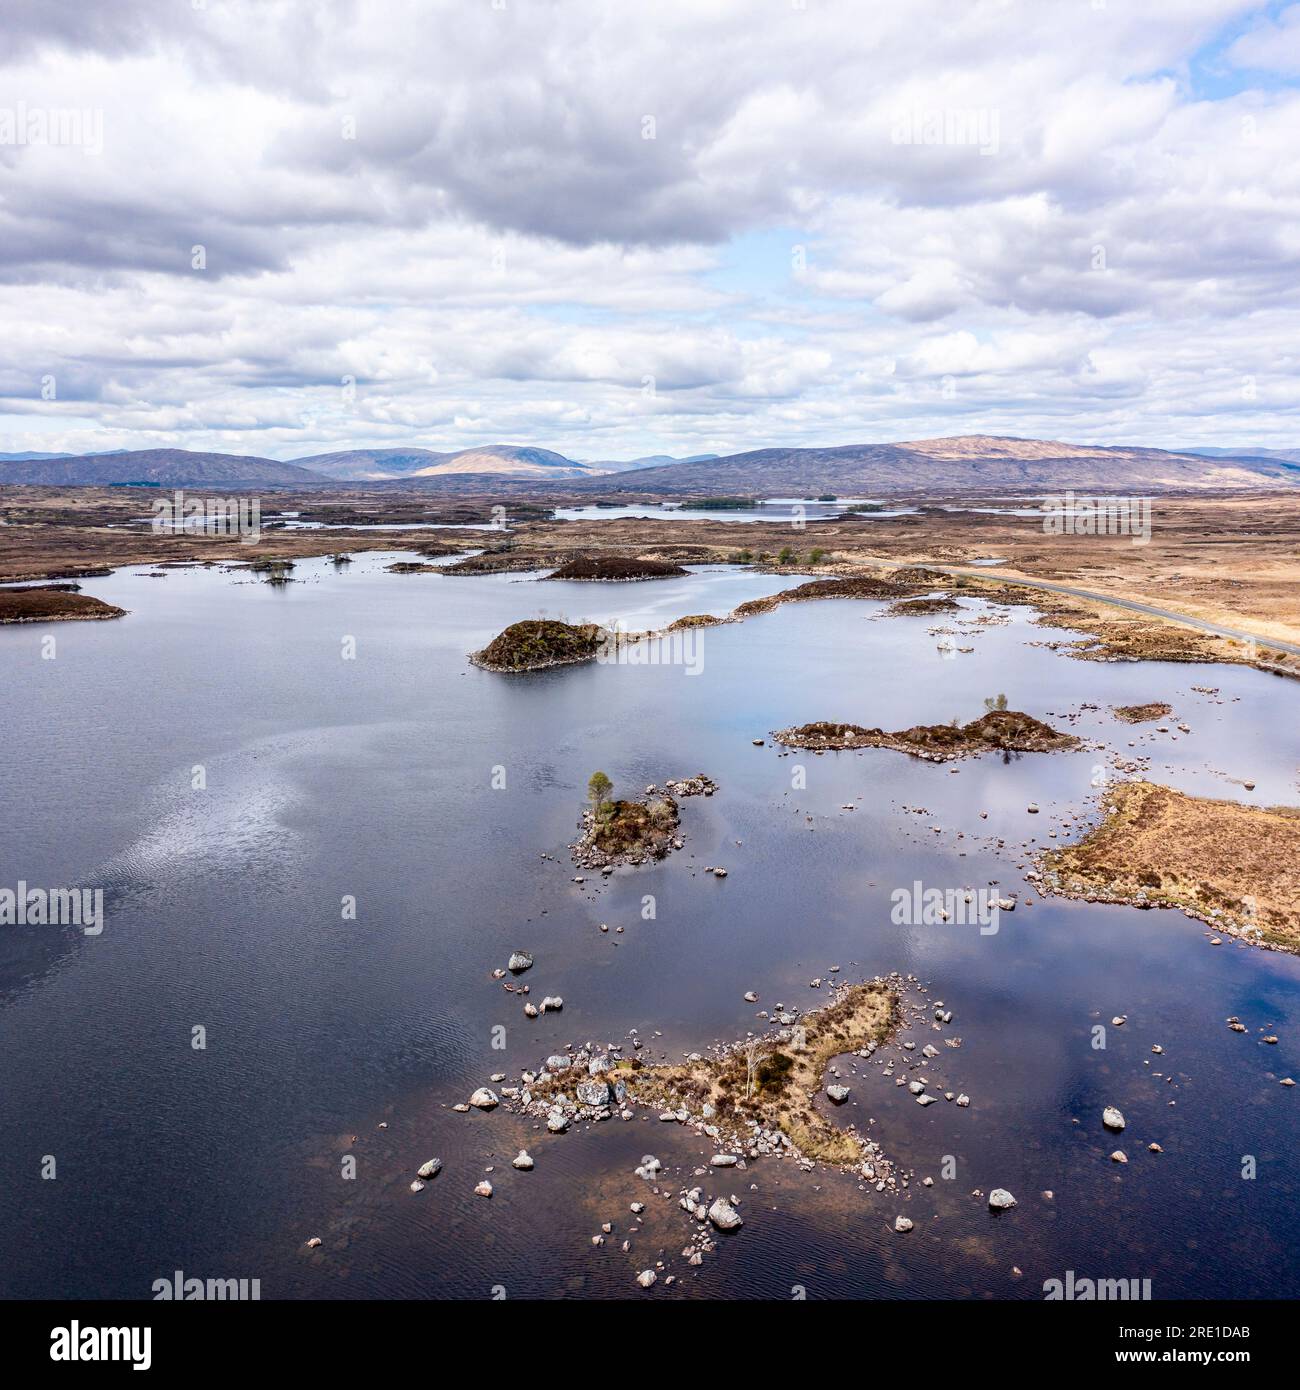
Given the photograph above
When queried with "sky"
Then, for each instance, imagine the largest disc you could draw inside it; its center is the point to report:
(616, 229)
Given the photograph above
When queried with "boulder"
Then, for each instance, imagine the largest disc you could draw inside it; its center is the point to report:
(1001, 1200)
(484, 1099)
(431, 1169)
(1112, 1118)
(724, 1216)
(593, 1093)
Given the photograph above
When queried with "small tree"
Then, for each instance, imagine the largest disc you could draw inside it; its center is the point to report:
(598, 790)
(751, 1051)
(995, 702)
(785, 556)
(815, 555)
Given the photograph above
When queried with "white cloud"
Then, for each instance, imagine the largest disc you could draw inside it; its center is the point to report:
(1270, 45)
(1023, 197)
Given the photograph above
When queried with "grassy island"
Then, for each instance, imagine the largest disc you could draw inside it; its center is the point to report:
(615, 568)
(1231, 866)
(40, 604)
(537, 643)
(1002, 730)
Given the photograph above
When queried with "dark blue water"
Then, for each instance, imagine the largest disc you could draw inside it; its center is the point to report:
(373, 778)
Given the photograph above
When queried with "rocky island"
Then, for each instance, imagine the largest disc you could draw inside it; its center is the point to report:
(751, 1097)
(1007, 731)
(625, 832)
(538, 643)
(58, 603)
(617, 569)
(1143, 714)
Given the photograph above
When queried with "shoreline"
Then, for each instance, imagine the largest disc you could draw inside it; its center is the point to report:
(1225, 864)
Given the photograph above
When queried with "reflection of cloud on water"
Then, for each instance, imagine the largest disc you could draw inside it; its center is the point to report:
(236, 825)
(235, 828)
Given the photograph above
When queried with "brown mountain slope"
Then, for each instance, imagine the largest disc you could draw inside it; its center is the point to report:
(963, 463)
(166, 467)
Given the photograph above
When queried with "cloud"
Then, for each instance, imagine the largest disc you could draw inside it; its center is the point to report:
(576, 224)
(1270, 44)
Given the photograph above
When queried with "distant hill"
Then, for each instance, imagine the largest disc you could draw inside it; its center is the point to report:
(965, 463)
(370, 463)
(648, 461)
(166, 467)
(504, 460)
(1283, 455)
(509, 460)
(31, 454)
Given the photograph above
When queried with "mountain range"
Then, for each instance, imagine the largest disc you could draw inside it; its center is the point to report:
(965, 463)
(512, 460)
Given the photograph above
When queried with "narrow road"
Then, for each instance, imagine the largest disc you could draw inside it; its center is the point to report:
(1272, 644)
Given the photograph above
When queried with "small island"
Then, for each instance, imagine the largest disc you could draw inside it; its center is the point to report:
(538, 643)
(1143, 714)
(53, 604)
(758, 1086)
(914, 607)
(1002, 730)
(625, 832)
(692, 620)
(614, 569)
(1231, 866)
(718, 504)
